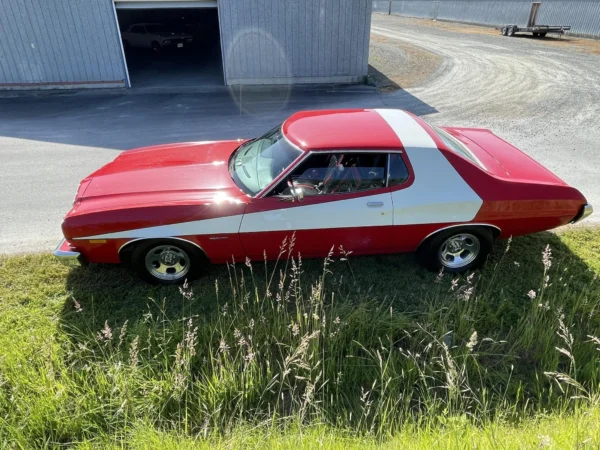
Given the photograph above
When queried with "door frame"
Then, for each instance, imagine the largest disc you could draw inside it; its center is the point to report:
(162, 4)
(114, 8)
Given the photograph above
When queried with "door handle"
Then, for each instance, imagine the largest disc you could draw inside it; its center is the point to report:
(374, 204)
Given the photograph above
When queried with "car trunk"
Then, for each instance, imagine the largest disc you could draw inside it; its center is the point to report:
(501, 158)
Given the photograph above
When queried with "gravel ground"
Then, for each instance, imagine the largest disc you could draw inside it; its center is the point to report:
(394, 64)
(542, 95)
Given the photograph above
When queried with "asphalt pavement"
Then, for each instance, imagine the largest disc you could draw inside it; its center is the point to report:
(544, 99)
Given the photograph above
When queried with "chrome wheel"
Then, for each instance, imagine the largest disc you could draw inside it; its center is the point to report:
(167, 262)
(459, 250)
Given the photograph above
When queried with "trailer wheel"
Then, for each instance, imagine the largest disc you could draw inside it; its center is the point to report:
(536, 34)
(543, 34)
(504, 31)
(511, 31)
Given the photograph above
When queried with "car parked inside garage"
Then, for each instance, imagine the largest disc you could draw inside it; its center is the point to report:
(155, 36)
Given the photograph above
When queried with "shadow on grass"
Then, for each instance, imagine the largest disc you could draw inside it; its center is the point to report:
(115, 294)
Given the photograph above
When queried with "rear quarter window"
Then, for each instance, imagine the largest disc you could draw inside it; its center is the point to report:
(455, 145)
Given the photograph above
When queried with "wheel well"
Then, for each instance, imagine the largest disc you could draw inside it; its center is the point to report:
(126, 250)
(495, 231)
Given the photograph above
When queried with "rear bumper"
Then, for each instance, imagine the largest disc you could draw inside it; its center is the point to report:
(67, 256)
(586, 211)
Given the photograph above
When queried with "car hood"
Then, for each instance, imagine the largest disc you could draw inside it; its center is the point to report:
(166, 174)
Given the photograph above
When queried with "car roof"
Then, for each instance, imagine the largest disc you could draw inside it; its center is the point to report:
(364, 129)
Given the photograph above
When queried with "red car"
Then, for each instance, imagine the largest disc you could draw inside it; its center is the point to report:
(371, 181)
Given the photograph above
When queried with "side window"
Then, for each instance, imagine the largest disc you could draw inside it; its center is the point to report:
(398, 170)
(338, 173)
(138, 29)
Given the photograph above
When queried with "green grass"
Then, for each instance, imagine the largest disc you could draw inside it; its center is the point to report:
(369, 351)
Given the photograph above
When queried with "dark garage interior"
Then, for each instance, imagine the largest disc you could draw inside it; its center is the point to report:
(172, 47)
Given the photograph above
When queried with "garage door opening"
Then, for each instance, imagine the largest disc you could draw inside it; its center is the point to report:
(171, 46)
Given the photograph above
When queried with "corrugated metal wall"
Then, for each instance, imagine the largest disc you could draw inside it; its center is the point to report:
(59, 42)
(281, 41)
(583, 16)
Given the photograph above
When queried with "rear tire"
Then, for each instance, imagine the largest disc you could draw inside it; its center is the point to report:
(504, 31)
(168, 261)
(511, 31)
(456, 250)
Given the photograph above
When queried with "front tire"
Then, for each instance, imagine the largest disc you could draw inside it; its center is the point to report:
(168, 261)
(456, 250)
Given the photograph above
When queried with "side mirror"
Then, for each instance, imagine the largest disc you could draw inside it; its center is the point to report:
(297, 194)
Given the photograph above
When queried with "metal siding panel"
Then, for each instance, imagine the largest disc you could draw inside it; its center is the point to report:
(42, 37)
(349, 34)
(57, 37)
(59, 42)
(106, 59)
(288, 53)
(301, 38)
(8, 52)
(314, 38)
(354, 36)
(279, 15)
(331, 29)
(28, 69)
(335, 24)
(291, 39)
(343, 27)
(235, 60)
(366, 35)
(264, 52)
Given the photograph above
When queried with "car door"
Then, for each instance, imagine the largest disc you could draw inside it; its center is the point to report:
(346, 202)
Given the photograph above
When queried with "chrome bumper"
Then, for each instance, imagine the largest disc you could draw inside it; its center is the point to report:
(66, 256)
(586, 211)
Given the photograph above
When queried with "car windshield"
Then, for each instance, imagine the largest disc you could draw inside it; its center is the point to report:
(454, 144)
(256, 163)
(157, 28)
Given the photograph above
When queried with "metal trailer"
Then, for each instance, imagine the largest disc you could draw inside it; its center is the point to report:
(536, 30)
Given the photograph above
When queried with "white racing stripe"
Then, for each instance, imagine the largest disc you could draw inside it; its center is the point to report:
(369, 211)
(220, 225)
(438, 194)
(409, 131)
